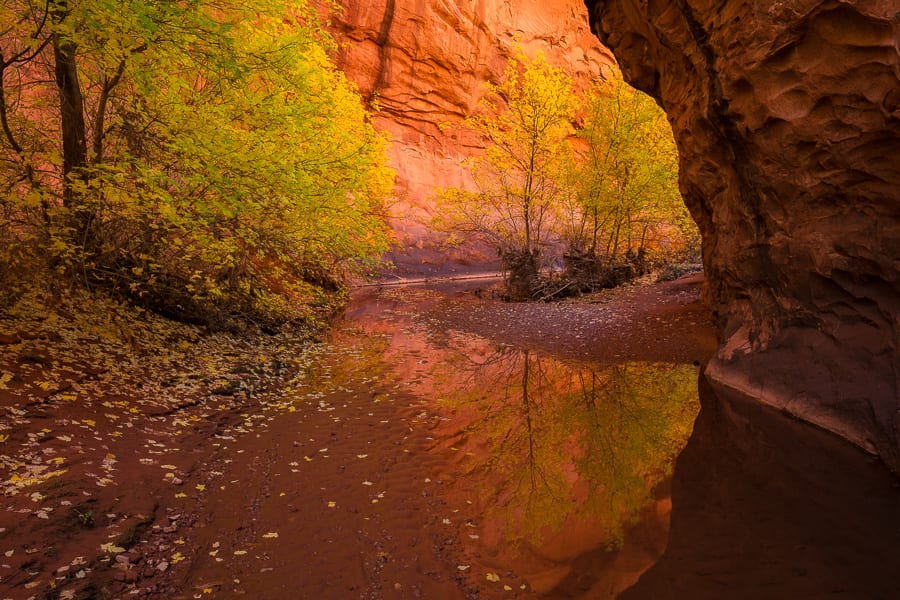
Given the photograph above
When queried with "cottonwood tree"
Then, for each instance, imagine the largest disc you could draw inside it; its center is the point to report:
(195, 155)
(524, 122)
(627, 180)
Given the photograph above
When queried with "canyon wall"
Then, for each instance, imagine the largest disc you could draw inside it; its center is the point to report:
(787, 118)
(423, 64)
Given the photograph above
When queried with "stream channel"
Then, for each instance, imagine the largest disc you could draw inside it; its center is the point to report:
(549, 460)
(477, 449)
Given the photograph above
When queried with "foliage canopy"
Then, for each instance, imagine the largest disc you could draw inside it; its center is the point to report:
(204, 157)
(627, 177)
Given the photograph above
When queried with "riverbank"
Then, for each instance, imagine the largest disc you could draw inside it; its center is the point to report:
(106, 411)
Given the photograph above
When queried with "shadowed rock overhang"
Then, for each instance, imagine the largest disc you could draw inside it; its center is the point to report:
(787, 118)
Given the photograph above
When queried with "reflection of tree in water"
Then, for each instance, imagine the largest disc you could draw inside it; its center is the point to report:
(634, 419)
(556, 445)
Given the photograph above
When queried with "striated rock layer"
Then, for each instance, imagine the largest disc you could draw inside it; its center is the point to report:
(424, 64)
(787, 117)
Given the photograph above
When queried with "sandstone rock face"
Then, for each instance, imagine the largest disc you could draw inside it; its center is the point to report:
(787, 117)
(425, 62)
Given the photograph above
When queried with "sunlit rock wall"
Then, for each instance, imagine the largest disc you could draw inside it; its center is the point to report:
(787, 116)
(424, 63)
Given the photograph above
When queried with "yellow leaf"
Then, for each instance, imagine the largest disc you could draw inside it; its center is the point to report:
(492, 577)
(271, 534)
(200, 487)
(111, 548)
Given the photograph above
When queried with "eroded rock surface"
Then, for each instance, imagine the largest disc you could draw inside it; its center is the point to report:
(787, 117)
(424, 64)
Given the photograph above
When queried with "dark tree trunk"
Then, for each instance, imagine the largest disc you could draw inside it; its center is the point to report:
(71, 108)
(521, 269)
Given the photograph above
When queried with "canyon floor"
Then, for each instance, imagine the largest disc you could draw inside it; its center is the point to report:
(142, 458)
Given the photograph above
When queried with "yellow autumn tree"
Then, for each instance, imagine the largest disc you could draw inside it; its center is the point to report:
(204, 158)
(627, 181)
(525, 122)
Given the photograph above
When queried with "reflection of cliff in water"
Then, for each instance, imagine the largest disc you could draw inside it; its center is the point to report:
(769, 507)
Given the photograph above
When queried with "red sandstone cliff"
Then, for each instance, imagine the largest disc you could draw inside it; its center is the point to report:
(787, 117)
(425, 62)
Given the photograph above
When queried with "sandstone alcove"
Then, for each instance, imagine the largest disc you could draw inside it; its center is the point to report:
(787, 118)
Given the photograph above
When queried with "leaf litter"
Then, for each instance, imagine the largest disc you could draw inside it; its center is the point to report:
(94, 396)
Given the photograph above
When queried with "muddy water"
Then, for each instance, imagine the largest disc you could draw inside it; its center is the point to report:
(540, 460)
(556, 476)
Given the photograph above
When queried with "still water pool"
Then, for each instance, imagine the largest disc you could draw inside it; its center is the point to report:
(579, 478)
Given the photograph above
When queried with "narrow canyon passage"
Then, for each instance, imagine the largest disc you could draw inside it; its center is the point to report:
(190, 188)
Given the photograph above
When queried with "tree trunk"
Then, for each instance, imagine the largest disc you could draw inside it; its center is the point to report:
(71, 109)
